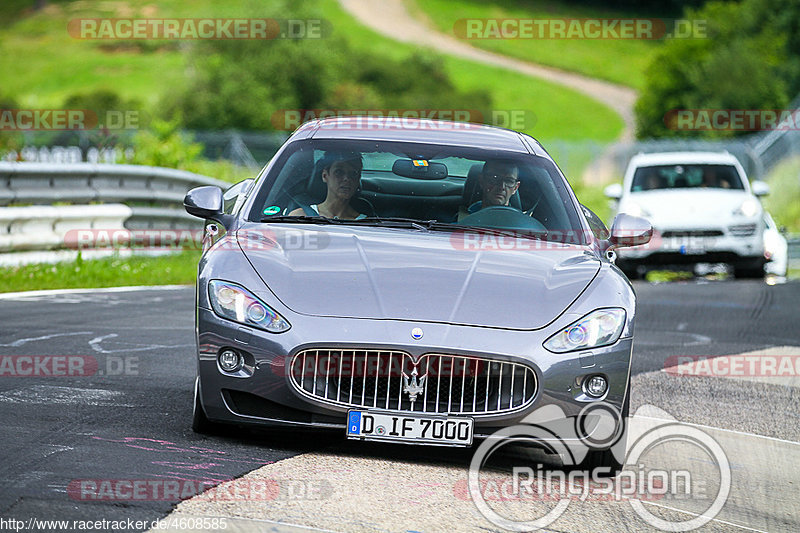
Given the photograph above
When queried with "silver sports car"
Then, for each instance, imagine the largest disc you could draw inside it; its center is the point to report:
(415, 281)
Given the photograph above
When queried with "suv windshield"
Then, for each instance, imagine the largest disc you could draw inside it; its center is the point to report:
(686, 176)
(421, 185)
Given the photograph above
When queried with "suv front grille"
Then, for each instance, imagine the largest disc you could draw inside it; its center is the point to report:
(691, 233)
(393, 380)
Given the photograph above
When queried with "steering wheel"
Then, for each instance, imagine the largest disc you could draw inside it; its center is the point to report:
(503, 217)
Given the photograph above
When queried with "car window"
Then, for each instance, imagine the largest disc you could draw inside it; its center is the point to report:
(596, 224)
(686, 176)
(422, 182)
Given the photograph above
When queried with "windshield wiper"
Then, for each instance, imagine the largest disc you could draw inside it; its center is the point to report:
(399, 222)
(395, 222)
(304, 219)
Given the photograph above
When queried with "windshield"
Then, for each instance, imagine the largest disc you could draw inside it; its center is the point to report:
(443, 187)
(686, 176)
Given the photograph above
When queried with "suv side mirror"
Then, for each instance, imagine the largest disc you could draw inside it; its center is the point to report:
(613, 191)
(759, 188)
(628, 230)
(204, 202)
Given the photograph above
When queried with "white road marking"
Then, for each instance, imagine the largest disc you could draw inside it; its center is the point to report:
(27, 295)
(48, 394)
(130, 346)
(20, 342)
(703, 426)
(695, 514)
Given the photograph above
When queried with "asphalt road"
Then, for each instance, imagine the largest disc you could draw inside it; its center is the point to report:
(128, 417)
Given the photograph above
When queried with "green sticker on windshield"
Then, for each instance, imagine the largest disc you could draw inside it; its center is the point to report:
(271, 210)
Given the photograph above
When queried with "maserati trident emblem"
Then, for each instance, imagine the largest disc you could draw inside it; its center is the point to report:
(413, 387)
(416, 333)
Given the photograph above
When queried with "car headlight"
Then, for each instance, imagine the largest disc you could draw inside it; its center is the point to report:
(598, 328)
(635, 210)
(749, 208)
(238, 304)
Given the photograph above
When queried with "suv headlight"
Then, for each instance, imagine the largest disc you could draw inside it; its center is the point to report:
(749, 208)
(598, 328)
(236, 303)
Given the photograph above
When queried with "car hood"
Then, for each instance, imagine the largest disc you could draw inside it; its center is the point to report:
(385, 273)
(688, 206)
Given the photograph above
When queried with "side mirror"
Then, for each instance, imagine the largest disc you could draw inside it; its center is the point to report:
(628, 230)
(204, 202)
(759, 188)
(613, 191)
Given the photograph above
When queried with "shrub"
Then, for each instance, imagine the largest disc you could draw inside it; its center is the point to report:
(749, 60)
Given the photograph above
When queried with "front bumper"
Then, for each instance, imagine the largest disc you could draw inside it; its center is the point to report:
(683, 246)
(261, 393)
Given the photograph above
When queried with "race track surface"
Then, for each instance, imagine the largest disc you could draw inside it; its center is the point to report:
(127, 416)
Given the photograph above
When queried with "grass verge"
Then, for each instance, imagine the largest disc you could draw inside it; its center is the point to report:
(560, 113)
(115, 271)
(598, 58)
(58, 65)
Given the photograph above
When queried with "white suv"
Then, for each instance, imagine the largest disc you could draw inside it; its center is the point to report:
(702, 207)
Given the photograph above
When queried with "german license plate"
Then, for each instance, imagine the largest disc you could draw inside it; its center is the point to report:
(372, 425)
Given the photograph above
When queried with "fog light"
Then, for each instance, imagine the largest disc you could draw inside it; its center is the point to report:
(230, 361)
(595, 386)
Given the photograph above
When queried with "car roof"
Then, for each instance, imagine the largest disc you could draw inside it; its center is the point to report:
(415, 130)
(674, 158)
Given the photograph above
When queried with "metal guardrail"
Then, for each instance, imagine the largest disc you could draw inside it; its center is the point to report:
(108, 197)
(155, 194)
(45, 183)
(46, 227)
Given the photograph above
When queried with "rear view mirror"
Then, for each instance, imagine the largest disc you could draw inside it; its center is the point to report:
(613, 191)
(628, 230)
(420, 169)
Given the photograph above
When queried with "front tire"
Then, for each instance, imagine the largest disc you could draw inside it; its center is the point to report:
(602, 459)
(748, 273)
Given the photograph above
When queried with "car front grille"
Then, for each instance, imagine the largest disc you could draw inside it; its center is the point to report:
(394, 380)
(692, 233)
(742, 230)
